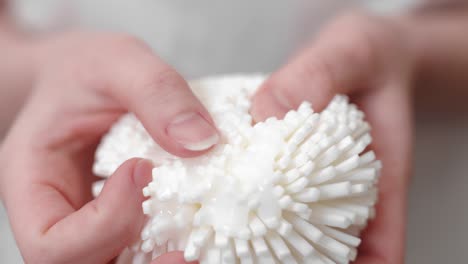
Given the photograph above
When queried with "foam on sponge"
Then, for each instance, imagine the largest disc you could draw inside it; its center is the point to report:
(297, 190)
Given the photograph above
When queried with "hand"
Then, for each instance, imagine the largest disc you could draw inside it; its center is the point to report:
(369, 59)
(82, 84)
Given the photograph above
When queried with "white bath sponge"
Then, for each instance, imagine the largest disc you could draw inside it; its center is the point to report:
(296, 190)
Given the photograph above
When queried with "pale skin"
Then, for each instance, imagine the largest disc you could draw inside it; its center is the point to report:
(75, 85)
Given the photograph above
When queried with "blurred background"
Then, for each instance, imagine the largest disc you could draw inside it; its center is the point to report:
(202, 38)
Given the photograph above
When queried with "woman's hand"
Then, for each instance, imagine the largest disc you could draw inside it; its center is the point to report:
(370, 60)
(82, 84)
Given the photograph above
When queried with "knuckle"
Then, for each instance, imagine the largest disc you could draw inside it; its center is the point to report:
(122, 49)
(122, 54)
(308, 70)
(164, 78)
(159, 86)
(365, 38)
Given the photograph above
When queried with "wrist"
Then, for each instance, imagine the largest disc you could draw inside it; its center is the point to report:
(438, 41)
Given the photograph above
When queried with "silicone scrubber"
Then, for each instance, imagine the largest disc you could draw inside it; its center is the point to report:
(297, 190)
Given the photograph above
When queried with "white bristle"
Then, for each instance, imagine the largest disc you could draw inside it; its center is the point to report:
(305, 228)
(300, 244)
(335, 190)
(297, 190)
(308, 195)
(279, 247)
(221, 240)
(259, 246)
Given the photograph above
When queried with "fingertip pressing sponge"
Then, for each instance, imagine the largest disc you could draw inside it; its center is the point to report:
(297, 190)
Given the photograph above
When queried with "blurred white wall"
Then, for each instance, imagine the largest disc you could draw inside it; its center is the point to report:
(200, 37)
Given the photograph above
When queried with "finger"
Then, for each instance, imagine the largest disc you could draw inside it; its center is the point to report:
(383, 240)
(166, 106)
(175, 257)
(99, 230)
(342, 60)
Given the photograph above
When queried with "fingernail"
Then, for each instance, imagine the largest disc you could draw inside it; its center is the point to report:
(142, 173)
(193, 132)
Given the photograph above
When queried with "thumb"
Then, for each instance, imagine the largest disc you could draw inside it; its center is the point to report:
(101, 229)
